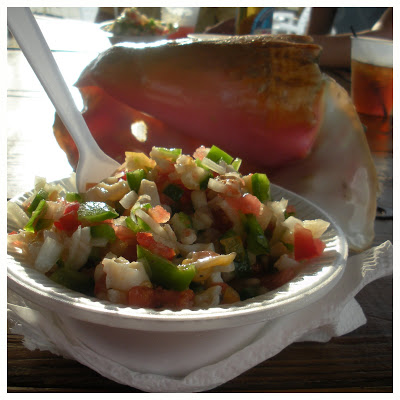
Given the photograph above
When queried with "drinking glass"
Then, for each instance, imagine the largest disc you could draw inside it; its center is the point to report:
(372, 76)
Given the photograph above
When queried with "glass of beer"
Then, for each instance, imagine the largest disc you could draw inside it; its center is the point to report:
(372, 76)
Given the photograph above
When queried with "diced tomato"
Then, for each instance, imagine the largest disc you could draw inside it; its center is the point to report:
(142, 296)
(69, 221)
(247, 204)
(200, 152)
(290, 209)
(100, 286)
(71, 207)
(147, 240)
(185, 202)
(159, 214)
(125, 234)
(13, 233)
(167, 167)
(305, 246)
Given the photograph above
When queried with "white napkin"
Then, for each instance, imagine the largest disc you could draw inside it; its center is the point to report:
(337, 313)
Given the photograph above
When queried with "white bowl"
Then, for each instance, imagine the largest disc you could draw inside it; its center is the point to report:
(114, 39)
(173, 343)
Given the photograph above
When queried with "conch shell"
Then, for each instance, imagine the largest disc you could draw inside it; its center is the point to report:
(261, 98)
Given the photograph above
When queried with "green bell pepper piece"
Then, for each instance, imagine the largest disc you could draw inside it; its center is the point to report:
(40, 195)
(74, 280)
(232, 242)
(248, 293)
(216, 154)
(236, 163)
(185, 220)
(261, 187)
(103, 231)
(171, 154)
(204, 182)
(137, 224)
(174, 192)
(143, 206)
(43, 223)
(256, 241)
(72, 196)
(165, 273)
(96, 211)
(36, 215)
(134, 178)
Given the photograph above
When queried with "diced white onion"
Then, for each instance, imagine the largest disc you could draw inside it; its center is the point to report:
(48, 255)
(278, 207)
(170, 233)
(166, 241)
(80, 248)
(264, 217)
(120, 220)
(219, 169)
(232, 214)
(154, 226)
(202, 219)
(39, 183)
(316, 226)
(16, 214)
(54, 210)
(291, 222)
(53, 234)
(150, 188)
(285, 262)
(129, 199)
(142, 199)
(188, 236)
(215, 277)
(199, 199)
(209, 298)
(51, 187)
(217, 186)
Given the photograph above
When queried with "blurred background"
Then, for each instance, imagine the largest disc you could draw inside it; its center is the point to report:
(284, 19)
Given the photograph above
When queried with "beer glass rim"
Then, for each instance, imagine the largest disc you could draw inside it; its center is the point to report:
(373, 39)
(381, 55)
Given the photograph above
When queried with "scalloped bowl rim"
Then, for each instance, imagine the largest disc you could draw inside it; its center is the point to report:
(316, 279)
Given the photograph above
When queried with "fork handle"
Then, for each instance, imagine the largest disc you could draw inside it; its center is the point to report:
(27, 33)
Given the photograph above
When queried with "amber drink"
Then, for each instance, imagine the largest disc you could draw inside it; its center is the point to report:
(372, 76)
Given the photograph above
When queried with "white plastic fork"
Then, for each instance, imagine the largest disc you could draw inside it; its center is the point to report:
(93, 165)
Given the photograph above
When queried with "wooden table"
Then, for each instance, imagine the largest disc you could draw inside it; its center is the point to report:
(360, 361)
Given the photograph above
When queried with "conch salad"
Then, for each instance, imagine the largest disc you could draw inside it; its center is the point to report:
(168, 230)
(132, 23)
